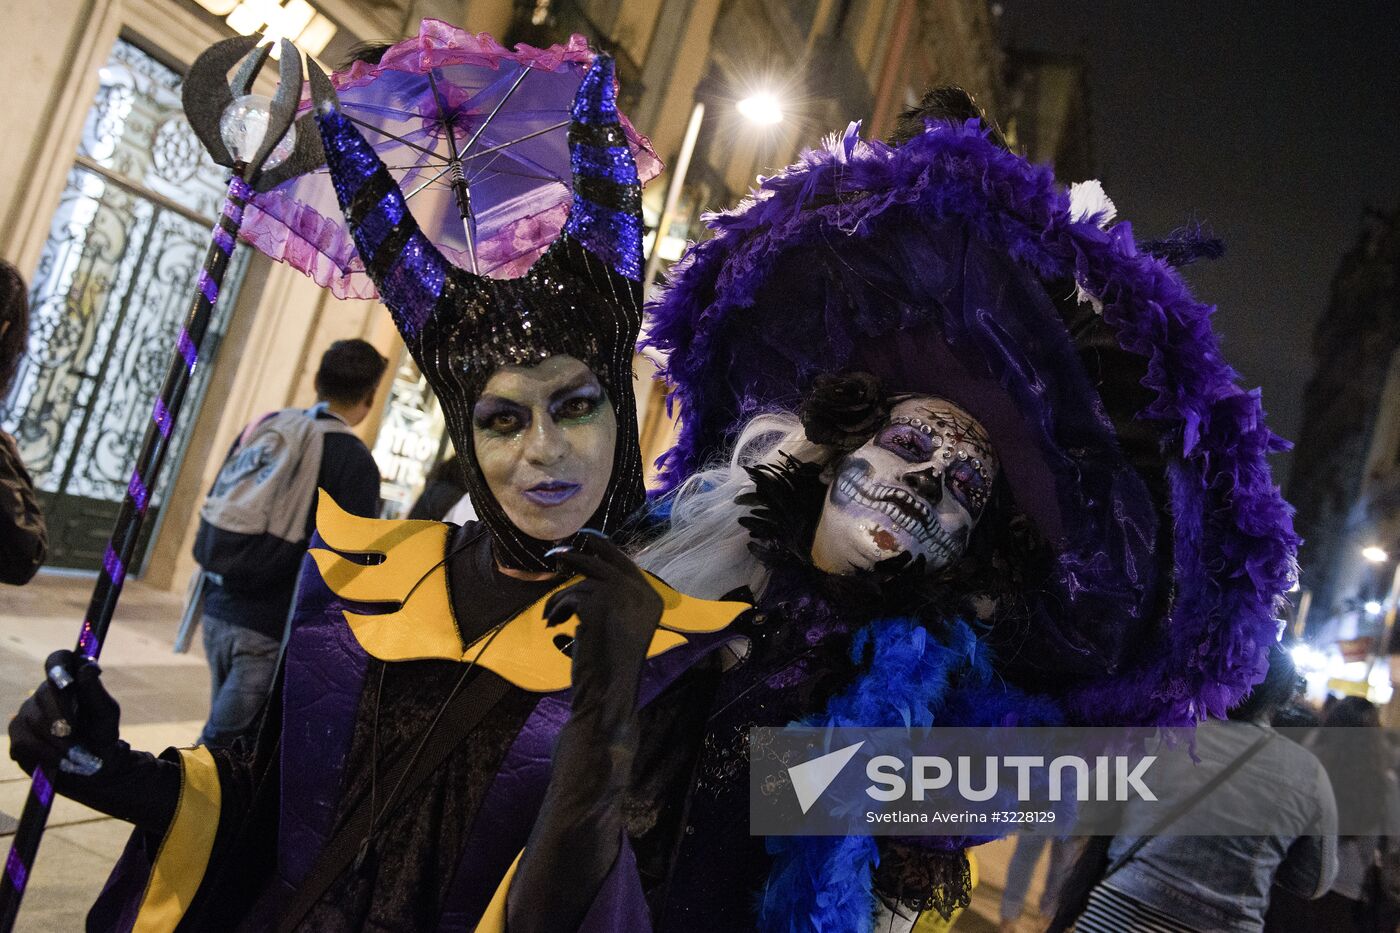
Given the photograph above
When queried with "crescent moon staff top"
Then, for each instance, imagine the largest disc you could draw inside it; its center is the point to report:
(208, 93)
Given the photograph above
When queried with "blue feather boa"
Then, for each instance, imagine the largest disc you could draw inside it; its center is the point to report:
(822, 884)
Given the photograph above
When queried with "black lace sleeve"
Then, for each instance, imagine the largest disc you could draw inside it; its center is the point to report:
(921, 879)
(673, 730)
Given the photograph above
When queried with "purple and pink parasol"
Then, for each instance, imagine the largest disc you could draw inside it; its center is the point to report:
(476, 136)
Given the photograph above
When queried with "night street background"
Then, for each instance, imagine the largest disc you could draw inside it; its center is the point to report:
(1276, 123)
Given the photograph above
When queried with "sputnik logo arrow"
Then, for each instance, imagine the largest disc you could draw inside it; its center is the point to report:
(811, 778)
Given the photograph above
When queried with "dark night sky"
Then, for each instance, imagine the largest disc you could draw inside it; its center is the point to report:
(1277, 123)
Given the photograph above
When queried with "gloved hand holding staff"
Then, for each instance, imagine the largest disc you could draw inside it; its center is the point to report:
(247, 150)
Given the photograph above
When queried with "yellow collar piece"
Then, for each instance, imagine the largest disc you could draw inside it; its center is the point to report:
(400, 563)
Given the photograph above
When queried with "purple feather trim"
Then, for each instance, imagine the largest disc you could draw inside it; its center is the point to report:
(1186, 245)
(1232, 531)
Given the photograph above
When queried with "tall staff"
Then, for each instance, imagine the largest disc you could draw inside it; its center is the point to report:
(254, 137)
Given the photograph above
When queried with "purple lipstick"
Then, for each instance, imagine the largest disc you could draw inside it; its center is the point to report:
(554, 492)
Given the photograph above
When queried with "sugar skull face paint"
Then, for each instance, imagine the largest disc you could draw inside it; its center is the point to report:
(917, 487)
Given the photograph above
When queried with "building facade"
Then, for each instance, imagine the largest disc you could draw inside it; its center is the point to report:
(1048, 111)
(1345, 481)
(106, 200)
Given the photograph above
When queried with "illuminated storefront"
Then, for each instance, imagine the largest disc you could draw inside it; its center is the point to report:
(412, 438)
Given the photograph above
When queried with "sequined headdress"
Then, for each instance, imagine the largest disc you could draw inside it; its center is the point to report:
(581, 298)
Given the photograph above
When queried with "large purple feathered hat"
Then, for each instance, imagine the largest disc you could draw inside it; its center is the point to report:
(949, 266)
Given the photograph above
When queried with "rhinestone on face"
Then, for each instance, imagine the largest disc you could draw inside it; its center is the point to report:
(937, 440)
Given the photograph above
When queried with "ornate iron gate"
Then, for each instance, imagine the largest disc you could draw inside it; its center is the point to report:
(107, 301)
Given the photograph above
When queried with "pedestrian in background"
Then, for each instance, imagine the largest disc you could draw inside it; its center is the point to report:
(23, 537)
(1149, 881)
(1368, 798)
(257, 521)
(442, 490)
(1063, 850)
(1298, 713)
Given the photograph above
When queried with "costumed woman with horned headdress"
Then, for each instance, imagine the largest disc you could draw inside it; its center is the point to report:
(991, 470)
(403, 760)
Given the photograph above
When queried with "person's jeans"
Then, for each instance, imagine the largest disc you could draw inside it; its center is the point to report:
(242, 665)
(1063, 851)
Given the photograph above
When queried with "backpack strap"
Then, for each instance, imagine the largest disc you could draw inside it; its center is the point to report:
(459, 717)
(1182, 808)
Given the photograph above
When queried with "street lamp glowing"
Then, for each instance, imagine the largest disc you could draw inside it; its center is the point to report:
(1372, 607)
(762, 109)
(1375, 554)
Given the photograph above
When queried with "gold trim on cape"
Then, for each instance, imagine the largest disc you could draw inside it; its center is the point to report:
(184, 853)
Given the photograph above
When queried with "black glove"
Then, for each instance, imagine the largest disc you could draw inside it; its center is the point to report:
(69, 727)
(579, 831)
(70, 722)
(617, 612)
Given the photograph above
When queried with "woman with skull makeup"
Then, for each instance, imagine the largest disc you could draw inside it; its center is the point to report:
(404, 758)
(992, 471)
(917, 487)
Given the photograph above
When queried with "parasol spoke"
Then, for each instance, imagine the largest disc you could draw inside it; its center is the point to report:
(495, 110)
(414, 129)
(323, 170)
(399, 139)
(476, 176)
(522, 165)
(476, 101)
(487, 174)
(562, 124)
(524, 162)
(515, 152)
(519, 167)
(430, 121)
(409, 196)
(485, 180)
(369, 108)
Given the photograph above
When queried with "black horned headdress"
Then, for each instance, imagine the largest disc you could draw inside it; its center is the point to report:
(581, 298)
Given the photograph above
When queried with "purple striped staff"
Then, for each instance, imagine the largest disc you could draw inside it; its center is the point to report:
(241, 132)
